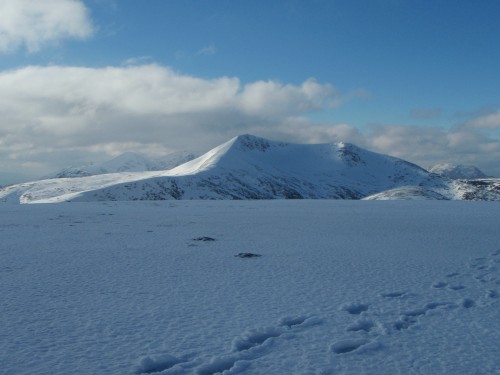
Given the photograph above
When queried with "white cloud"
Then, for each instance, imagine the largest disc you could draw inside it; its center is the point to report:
(427, 146)
(207, 50)
(423, 145)
(34, 24)
(51, 113)
(488, 121)
(273, 99)
(57, 116)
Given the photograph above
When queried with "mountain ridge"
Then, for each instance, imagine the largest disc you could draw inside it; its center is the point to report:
(458, 171)
(249, 167)
(126, 162)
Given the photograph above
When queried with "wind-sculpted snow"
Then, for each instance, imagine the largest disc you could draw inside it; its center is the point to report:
(248, 167)
(250, 287)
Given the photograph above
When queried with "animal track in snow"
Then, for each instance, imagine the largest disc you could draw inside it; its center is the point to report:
(361, 325)
(290, 322)
(220, 364)
(354, 308)
(492, 293)
(157, 363)
(347, 346)
(256, 337)
(409, 318)
(483, 269)
(439, 285)
(456, 287)
(253, 344)
(468, 303)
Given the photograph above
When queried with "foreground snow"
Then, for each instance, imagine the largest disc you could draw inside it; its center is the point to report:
(341, 287)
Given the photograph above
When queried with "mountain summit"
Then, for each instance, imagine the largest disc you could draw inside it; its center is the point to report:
(249, 167)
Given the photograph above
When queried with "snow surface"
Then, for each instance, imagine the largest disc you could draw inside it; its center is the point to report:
(341, 287)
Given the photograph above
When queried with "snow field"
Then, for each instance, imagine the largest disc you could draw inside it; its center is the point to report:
(342, 287)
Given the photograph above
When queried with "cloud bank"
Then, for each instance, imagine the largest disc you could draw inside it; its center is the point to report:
(34, 24)
(56, 116)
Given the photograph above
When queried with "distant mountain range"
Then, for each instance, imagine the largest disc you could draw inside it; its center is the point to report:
(127, 162)
(457, 172)
(249, 167)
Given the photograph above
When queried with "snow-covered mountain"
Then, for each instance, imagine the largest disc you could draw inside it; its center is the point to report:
(127, 162)
(248, 167)
(457, 171)
(174, 159)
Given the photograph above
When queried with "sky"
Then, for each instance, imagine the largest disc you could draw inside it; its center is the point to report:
(84, 81)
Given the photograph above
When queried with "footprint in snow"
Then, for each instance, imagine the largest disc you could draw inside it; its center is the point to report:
(290, 321)
(468, 303)
(354, 308)
(439, 285)
(219, 365)
(410, 317)
(158, 363)
(492, 293)
(393, 294)
(256, 337)
(253, 344)
(361, 325)
(456, 287)
(348, 345)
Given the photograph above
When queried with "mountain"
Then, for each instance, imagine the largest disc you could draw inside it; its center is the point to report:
(127, 162)
(407, 193)
(248, 167)
(457, 171)
(174, 159)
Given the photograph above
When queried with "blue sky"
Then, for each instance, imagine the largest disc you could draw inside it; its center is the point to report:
(415, 79)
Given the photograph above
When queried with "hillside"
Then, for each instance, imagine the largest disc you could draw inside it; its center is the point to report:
(459, 171)
(126, 162)
(249, 167)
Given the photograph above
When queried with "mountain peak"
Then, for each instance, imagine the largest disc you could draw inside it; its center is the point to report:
(250, 167)
(248, 142)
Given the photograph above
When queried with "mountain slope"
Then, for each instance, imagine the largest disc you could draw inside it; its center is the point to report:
(127, 162)
(457, 171)
(248, 167)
